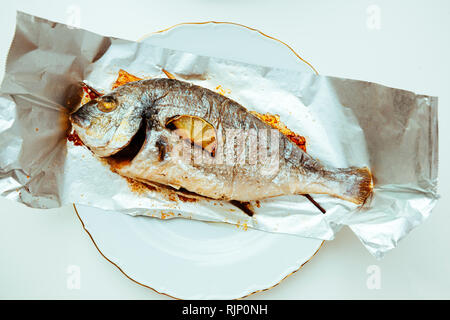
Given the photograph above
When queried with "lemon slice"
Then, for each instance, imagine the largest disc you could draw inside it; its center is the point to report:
(196, 130)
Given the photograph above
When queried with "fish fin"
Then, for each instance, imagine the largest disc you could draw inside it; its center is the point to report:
(246, 207)
(196, 130)
(162, 146)
(359, 186)
(168, 74)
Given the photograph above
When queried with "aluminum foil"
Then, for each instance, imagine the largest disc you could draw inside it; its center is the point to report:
(346, 123)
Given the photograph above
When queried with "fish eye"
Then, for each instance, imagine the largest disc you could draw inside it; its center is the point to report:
(107, 104)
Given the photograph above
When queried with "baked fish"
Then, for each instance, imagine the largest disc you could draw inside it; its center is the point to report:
(173, 133)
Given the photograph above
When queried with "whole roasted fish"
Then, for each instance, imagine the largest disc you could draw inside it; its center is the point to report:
(177, 134)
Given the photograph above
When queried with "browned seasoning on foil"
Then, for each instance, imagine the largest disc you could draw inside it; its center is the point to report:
(74, 138)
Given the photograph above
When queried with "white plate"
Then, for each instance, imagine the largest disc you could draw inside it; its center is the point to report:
(192, 259)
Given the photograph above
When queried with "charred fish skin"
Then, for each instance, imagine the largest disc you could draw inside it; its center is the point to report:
(109, 124)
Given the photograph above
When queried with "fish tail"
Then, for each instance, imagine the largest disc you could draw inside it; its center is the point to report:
(358, 184)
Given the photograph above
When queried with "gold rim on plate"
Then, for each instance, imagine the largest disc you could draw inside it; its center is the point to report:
(235, 24)
(92, 239)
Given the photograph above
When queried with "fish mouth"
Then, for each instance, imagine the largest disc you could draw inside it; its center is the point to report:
(75, 120)
(80, 116)
(130, 151)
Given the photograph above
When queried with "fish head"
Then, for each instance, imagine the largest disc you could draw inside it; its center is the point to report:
(108, 123)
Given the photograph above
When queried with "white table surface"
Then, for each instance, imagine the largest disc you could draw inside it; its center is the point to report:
(410, 50)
